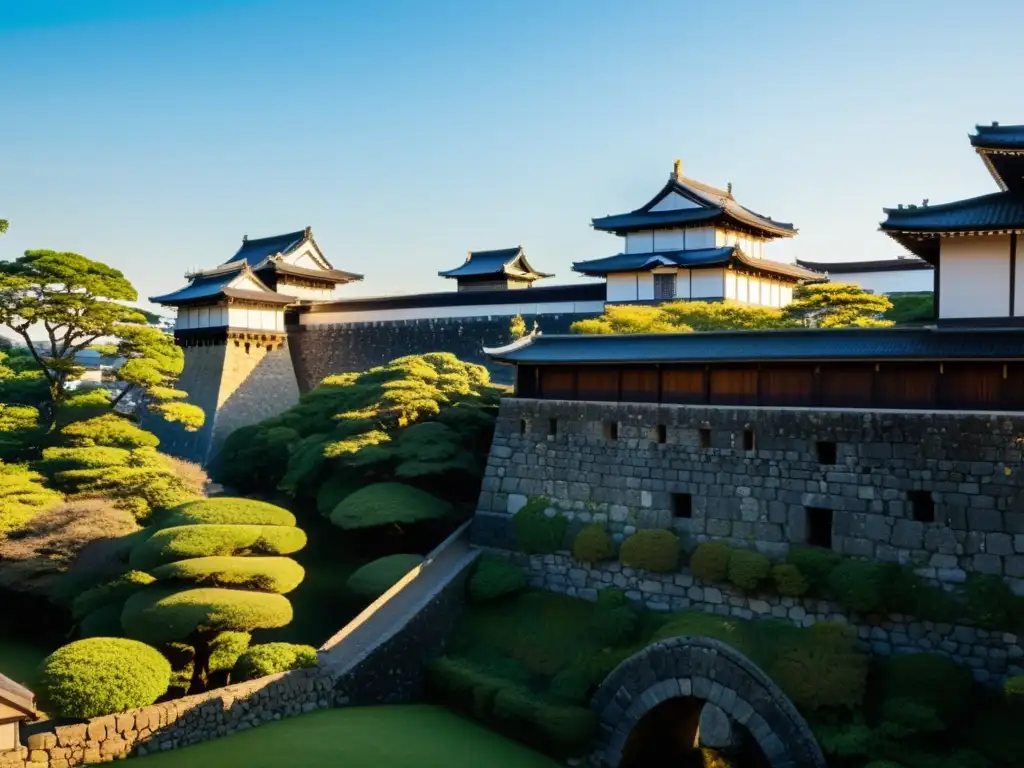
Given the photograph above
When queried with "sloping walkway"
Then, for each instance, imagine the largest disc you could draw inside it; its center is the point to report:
(393, 610)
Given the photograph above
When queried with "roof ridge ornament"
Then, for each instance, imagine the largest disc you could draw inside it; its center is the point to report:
(307, 232)
(728, 188)
(677, 170)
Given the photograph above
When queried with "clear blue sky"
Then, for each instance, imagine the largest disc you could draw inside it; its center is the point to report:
(153, 135)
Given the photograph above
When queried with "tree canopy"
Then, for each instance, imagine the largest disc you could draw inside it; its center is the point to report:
(838, 305)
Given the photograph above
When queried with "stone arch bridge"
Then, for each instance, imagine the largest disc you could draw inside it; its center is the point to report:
(708, 671)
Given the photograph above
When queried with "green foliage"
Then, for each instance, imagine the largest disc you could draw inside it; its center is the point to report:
(271, 658)
(388, 504)
(592, 544)
(710, 561)
(63, 459)
(113, 593)
(536, 532)
(815, 563)
(225, 650)
(182, 658)
(494, 578)
(517, 327)
(1013, 690)
(102, 675)
(109, 430)
(22, 497)
(991, 604)
(227, 510)
(615, 621)
(385, 423)
(788, 580)
(682, 317)
(187, 541)
(748, 569)
(20, 432)
(908, 593)
(105, 621)
(378, 576)
(83, 405)
(911, 307)
(930, 680)
(21, 380)
(837, 305)
(651, 550)
(161, 615)
(267, 574)
(860, 585)
(335, 490)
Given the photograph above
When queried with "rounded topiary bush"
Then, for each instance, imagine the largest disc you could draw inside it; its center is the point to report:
(747, 569)
(789, 582)
(335, 490)
(271, 658)
(991, 604)
(1013, 691)
(652, 550)
(860, 585)
(102, 675)
(113, 593)
(185, 541)
(495, 578)
(228, 510)
(160, 616)
(377, 577)
(592, 544)
(929, 679)
(266, 574)
(815, 563)
(538, 533)
(388, 504)
(710, 561)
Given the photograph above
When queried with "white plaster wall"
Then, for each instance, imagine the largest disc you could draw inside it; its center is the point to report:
(684, 280)
(674, 202)
(776, 297)
(742, 288)
(482, 310)
(785, 294)
(304, 292)
(621, 287)
(730, 284)
(708, 284)
(645, 286)
(700, 237)
(669, 240)
(640, 242)
(974, 277)
(911, 280)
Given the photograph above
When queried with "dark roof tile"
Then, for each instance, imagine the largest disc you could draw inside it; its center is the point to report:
(695, 258)
(510, 262)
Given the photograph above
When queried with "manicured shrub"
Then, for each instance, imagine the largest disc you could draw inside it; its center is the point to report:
(113, 593)
(991, 604)
(905, 717)
(62, 459)
(336, 489)
(377, 577)
(388, 504)
(254, 457)
(616, 625)
(1013, 691)
(592, 544)
(102, 675)
(929, 679)
(908, 593)
(22, 496)
(819, 668)
(163, 615)
(227, 510)
(861, 585)
(789, 582)
(572, 684)
(748, 569)
(266, 574)
(652, 550)
(494, 578)
(710, 561)
(536, 532)
(182, 658)
(226, 648)
(568, 729)
(271, 658)
(185, 541)
(815, 563)
(105, 621)
(109, 430)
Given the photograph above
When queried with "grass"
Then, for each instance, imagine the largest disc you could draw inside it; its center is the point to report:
(372, 737)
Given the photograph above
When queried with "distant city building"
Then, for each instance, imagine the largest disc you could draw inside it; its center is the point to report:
(694, 241)
(495, 270)
(973, 243)
(906, 274)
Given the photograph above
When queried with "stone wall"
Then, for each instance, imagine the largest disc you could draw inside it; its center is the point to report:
(322, 350)
(756, 477)
(176, 723)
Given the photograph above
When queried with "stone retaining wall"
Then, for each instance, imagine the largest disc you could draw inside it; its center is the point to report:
(991, 655)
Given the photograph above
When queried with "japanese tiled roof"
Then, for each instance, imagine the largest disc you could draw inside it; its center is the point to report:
(694, 258)
(505, 262)
(878, 265)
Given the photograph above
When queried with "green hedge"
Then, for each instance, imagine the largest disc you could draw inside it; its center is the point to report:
(929, 679)
(615, 619)
(653, 549)
(185, 541)
(110, 430)
(388, 504)
(225, 650)
(113, 593)
(815, 564)
(377, 577)
(747, 569)
(536, 532)
(62, 459)
(592, 544)
(164, 615)
(227, 510)
(991, 604)
(788, 580)
(266, 574)
(102, 675)
(710, 561)
(271, 658)
(494, 578)
(336, 489)
(861, 585)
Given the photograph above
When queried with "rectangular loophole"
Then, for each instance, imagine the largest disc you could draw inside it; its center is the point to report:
(660, 434)
(552, 427)
(682, 505)
(827, 452)
(819, 527)
(611, 430)
(749, 440)
(522, 426)
(704, 435)
(922, 505)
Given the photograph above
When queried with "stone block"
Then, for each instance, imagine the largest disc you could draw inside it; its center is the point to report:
(516, 501)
